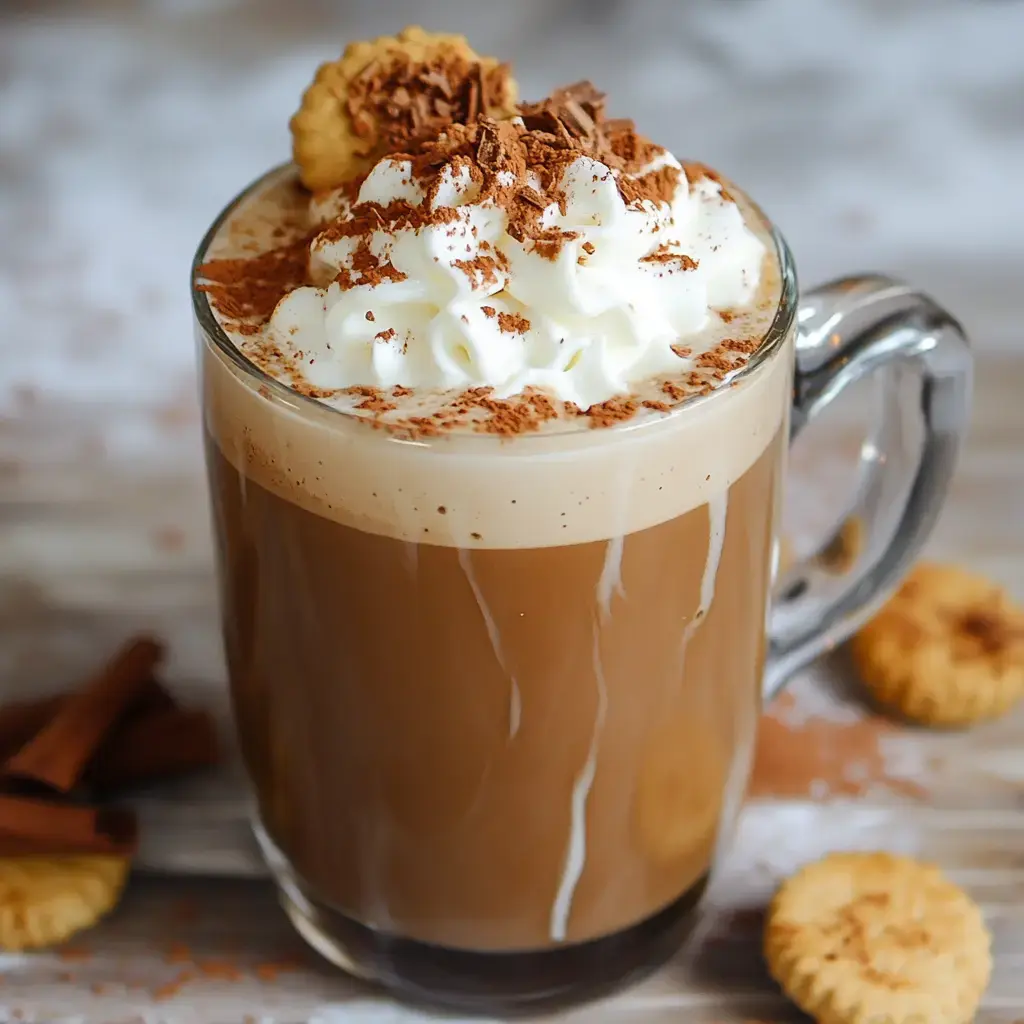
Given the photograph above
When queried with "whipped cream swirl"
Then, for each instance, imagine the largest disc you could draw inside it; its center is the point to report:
(464, 303)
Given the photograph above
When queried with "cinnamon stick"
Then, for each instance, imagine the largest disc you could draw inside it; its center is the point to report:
(153, 747)
(39, 826)
(59, 754)
(21, 720)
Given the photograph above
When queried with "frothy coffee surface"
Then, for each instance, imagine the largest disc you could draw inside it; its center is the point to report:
(498, 473)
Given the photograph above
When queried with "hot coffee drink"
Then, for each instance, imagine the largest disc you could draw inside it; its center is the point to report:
(495, 472)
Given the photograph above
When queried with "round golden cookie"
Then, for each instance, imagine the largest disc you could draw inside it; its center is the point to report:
(948, 648)
(46, 900)
(355, 104)
(872, 938)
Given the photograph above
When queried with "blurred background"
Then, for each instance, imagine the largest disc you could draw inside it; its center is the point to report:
(879, 134)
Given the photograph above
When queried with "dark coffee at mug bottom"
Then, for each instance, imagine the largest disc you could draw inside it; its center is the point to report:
(496, 749)
(502, 982)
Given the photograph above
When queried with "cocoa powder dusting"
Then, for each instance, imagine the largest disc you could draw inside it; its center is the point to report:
(715, 360)
(615, 410)
(373, 400)
(246, 291)
(513, 323)
(660, 185)
(520, 167)
(476, 407)
(481, 270)
(671, 260)
(820, 759)
(746, 346)
(696, 172)
(431, 115)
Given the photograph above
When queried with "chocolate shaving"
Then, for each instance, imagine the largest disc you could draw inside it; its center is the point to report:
(531, 196)
(473, 99)
(488, 150)
(439, 81)
(398, 104)
(577, 120)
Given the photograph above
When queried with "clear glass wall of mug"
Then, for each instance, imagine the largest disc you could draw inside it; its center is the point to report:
(497, 696)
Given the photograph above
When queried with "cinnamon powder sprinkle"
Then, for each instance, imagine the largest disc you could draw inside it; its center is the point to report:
(377, 405)
(513, 323)
(373, 399)
(481, 270)
(615, 410)
(431, 116)
(716, 361)
(746, 346)
(696, 172)
(505, 417)
(665, 256)
(247, 290)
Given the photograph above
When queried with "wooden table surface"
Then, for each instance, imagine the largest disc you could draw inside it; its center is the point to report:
(110, 168)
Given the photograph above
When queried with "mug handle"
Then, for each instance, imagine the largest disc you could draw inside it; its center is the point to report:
(846, 330)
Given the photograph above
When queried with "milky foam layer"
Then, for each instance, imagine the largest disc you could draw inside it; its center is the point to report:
(483, 491)
(626, 294)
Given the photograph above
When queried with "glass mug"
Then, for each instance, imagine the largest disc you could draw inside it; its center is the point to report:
(497, 697)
